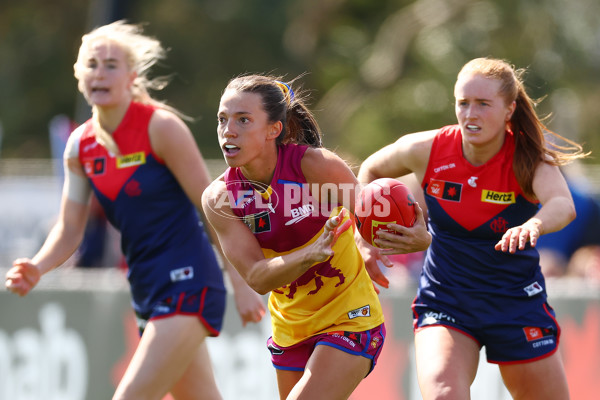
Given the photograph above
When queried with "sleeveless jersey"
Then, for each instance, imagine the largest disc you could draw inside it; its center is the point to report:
(470, 208)
(334, 295)
(166, 248)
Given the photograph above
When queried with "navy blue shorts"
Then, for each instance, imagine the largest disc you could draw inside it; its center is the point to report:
(524, 339)
(208, 305)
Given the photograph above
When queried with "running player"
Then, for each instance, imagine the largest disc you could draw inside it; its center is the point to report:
(278, 212)
(481, 285)
(144, 167)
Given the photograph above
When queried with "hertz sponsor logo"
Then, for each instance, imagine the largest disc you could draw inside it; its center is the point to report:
(130, 160)
(489, 196)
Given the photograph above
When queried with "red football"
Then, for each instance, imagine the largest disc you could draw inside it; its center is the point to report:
(382, 202)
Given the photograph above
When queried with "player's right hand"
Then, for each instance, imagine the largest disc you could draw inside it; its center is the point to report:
(22, 277)
(334, 227)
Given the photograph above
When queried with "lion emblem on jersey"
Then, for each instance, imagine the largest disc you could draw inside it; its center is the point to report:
(315, 273)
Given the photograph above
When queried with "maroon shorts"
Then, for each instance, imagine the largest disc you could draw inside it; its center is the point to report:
(367, 344)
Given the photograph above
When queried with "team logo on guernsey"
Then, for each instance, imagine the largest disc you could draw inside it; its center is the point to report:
(130, 160)
(499, 225)
(375, 342)
(96, 166)
(489, 196)
(315, 274)
(258, 223)
(364, 311)
(133, 188)
(444, 190)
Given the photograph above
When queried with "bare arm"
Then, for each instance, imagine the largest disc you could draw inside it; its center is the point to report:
(173, 142)
(412, 239)
(557, 210)
(63, 239)
(316, 161)
(410, 153)
(243, 250)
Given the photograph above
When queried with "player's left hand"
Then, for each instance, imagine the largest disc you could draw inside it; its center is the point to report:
(518, 236)
(406, 239)
(249, 304)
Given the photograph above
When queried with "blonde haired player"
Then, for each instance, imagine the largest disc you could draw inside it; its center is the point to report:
(141, 160)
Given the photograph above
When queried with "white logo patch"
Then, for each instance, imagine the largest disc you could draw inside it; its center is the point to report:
(533, 289)
(360, 312)
(182, 274)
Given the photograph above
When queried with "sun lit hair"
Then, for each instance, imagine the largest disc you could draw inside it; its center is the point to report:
(535, 143)
(142, 53)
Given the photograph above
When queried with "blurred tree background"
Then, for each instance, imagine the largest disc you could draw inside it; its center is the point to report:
(376, 69)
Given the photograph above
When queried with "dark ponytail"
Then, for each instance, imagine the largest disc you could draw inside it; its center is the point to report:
(282, 103)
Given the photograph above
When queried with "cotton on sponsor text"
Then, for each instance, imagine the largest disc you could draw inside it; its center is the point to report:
(444, 167)
(345, 339)
(541, 343)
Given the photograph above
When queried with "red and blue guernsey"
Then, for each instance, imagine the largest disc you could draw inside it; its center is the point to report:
(162, 237)
(470, 208)
(334, 295)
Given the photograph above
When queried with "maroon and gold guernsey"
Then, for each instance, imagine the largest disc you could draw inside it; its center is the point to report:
(334, 295)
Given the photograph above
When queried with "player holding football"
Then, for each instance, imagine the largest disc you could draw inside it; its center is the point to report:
(326, 317)
(481, 285)
(143, 164)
